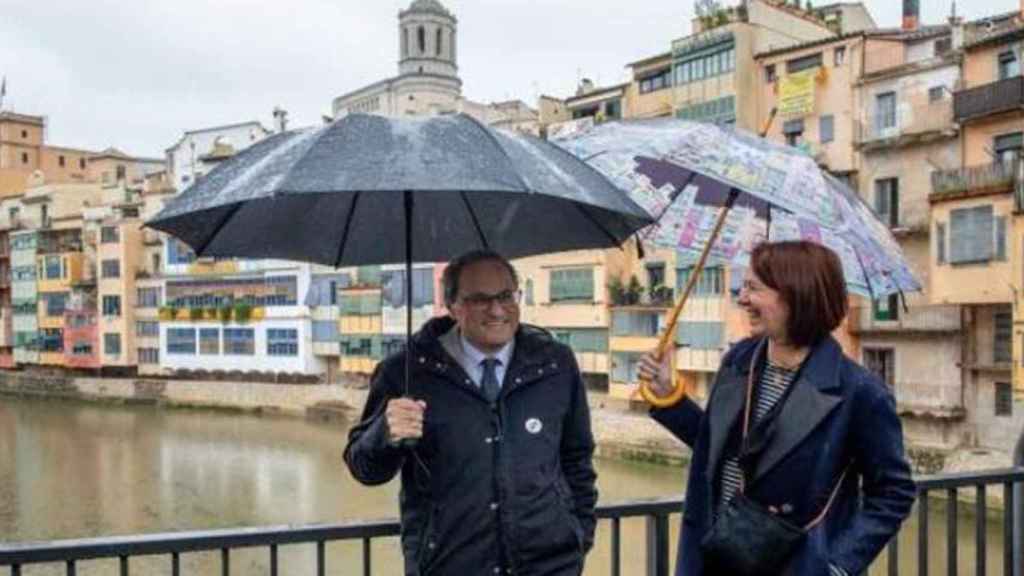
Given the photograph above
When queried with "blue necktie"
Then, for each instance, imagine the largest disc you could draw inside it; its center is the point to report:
(489, 383)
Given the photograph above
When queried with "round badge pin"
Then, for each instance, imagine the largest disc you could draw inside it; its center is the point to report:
(534, 426)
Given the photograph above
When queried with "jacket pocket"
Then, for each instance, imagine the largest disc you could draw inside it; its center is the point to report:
(428, 543)
(568, 506)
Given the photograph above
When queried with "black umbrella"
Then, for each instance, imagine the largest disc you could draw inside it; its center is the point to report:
(339, 195)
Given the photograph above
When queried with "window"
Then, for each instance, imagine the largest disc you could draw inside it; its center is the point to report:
(805, 63)
(405, 42)
(112, 344)
(12, 213)
(701, 335)
(239, 341)
(121, 172)
(717, 111)
(936, 93)
(437, 43)
(60, 161)
(52, 269)
(624, 366)
(179, 253)
(657, 81)
(839, 56)
(1001, 239)
(707, 64)
(282, 342)
(1009, 147)
(55, 303)
(52, 340)
(943, 46)
(1003, 399)
(24, 157)
(885, 110)
(326, 331)
(887, 201)
(770, 75)
(881, 361)
(655, 274)
(940, 243)
(112, 306)
(710, 283)
(81, 163)
(613, 109)
(147, 329)
(793, 130)
(1009, 65)
(886, 309)
(44, 211)
(24, 133)
(1002, 344)
(209, 341)
(576, 284)
(181, 341)
(582, 339)
(971, 235)
(156, 264)
(81, 349)
(636, 323)
(148, 297)
(149, 356)
(110, 235)
(528, 293)
(827, 129)
(421, 36)
(110, 269)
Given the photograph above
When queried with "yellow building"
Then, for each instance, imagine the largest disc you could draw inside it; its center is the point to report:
(360, 323)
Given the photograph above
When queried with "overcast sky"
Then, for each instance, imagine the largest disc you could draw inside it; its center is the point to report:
(135, 74)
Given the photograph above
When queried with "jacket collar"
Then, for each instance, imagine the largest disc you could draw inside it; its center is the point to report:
(808, 403)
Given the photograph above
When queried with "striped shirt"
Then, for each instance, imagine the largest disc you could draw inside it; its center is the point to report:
(771, 387)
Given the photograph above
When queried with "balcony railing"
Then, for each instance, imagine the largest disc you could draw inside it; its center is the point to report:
(995, 98)
(988, 178)
(908, 124)
(656, 543)
(938, 318)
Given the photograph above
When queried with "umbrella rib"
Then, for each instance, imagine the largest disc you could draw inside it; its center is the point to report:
(217, 228)
(867, 278)
(590, 217)
(476, 221)
(348, 226)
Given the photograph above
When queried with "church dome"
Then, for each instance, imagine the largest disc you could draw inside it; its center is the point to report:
(428, 6)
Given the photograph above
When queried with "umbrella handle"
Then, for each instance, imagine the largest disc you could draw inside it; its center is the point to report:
(666, 343)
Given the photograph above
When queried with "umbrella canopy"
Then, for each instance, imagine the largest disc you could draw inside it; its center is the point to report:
(336, 195)
(683, 173)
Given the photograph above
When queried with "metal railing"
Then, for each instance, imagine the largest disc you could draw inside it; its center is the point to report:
(995, 177)
(993, 98)
(657, 543)
(907, 121)
(927, 318)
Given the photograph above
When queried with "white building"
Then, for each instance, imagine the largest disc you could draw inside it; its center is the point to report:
(186, 159)
(428, 80)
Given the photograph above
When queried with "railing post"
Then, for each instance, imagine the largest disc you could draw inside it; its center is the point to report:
(1018, 509)
(657, 545)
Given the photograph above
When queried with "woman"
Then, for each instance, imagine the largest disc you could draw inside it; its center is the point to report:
(821, 446)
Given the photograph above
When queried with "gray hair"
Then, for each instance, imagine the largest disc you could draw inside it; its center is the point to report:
(452, 273)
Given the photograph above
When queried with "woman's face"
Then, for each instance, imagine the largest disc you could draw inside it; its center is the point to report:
(766, 311)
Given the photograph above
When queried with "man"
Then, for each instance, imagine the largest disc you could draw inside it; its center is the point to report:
(500, 479)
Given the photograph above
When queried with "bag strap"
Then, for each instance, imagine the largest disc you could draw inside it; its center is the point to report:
(746, 428)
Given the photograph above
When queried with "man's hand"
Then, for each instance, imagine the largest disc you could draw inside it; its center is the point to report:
(405, 419)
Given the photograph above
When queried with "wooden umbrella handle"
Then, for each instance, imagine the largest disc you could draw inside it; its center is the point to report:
(666, 343)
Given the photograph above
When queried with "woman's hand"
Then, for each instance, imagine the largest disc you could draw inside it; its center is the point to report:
(657, 373)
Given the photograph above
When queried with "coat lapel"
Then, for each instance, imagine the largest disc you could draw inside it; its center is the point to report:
(723, 411)
(807, 405)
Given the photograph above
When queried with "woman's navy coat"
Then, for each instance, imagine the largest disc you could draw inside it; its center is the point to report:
(837, 414)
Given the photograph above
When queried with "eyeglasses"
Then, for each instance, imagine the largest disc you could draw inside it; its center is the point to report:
(481, 301)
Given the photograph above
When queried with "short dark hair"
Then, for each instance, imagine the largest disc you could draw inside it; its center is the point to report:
(809, 278)
(453, 272)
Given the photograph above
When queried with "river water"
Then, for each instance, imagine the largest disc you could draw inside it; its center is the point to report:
(73, 470)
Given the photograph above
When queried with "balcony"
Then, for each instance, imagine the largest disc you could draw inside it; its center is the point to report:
(973, 181)
(910, 125)
(936, 319)
(989, 99)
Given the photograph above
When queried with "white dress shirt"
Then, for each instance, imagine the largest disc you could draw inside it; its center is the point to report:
(471, 358)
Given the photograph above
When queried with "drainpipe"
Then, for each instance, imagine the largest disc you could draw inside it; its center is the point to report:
(1018, 511)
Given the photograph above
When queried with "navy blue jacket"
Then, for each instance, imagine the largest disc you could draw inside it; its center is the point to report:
(837, 414)
(509, 487)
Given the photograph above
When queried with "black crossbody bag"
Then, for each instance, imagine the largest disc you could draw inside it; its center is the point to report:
(748, 539)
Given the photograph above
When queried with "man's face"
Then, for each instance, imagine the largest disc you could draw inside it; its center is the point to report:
(487, 305)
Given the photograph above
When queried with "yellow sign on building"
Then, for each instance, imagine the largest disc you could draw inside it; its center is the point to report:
(796, 94)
